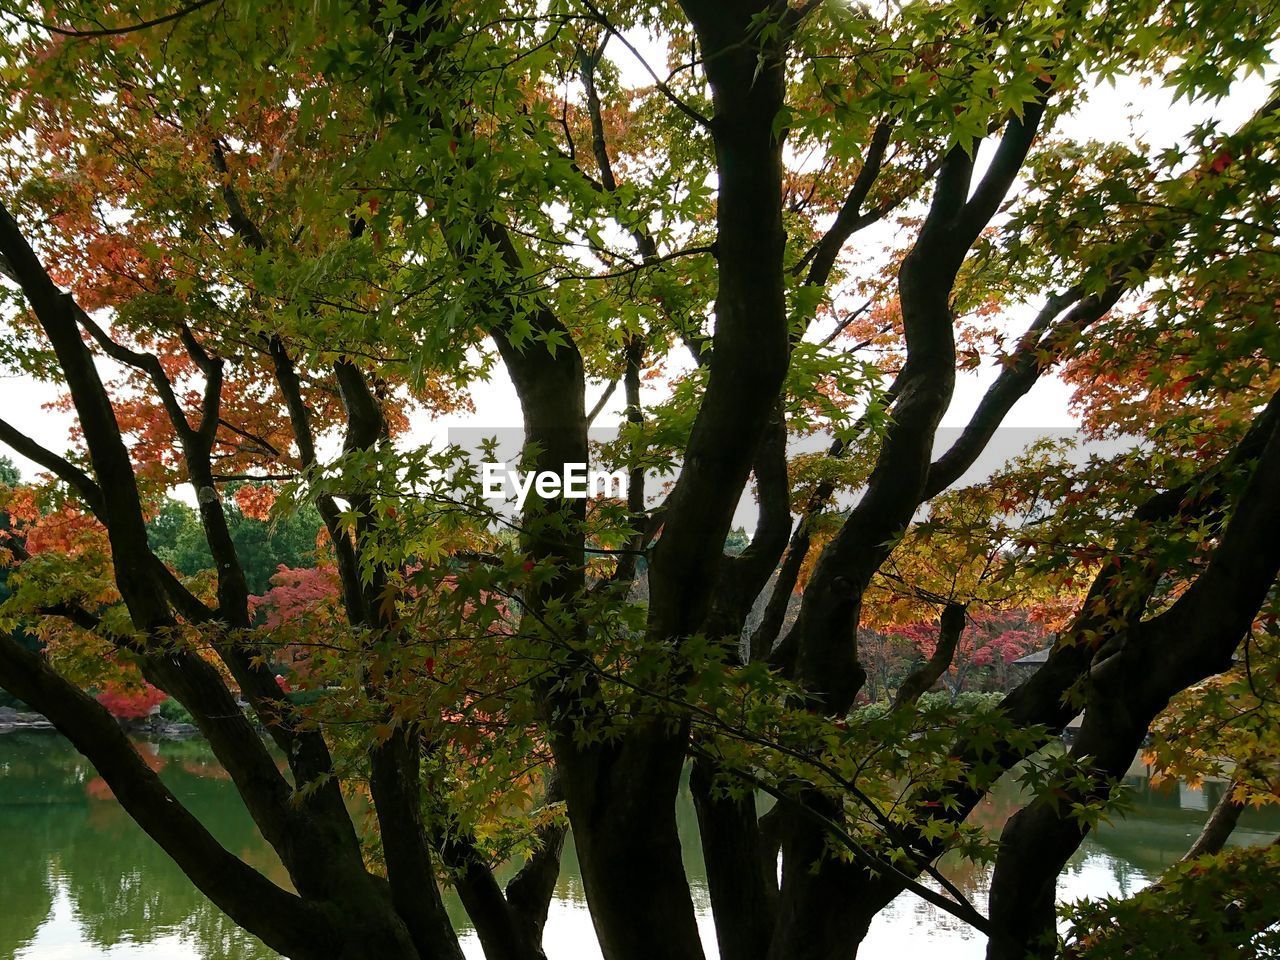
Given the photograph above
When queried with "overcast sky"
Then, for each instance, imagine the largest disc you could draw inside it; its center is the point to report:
(1126, 111)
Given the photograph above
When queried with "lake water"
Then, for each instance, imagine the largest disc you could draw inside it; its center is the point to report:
(82, 882)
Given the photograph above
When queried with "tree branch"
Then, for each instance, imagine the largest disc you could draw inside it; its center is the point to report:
(173, 668)
(63, 469)
(251, 900)
(822, 255)
(115, 31)
(1220, 825)
(658, 82)
(922, 679)
(1130, 682)
(994, 186)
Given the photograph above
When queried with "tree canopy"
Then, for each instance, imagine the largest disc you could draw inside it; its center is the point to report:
(258, 250)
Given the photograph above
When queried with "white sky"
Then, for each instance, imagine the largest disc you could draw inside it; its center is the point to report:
(1128, 111)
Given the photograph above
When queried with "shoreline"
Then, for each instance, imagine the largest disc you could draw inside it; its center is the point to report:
(152, 727)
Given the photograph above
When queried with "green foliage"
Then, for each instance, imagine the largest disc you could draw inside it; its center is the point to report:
(10, 476)
(1222, 906)
(387, 191)
(174, 712)
(1229, 725)
(737, 541)
(289, 539)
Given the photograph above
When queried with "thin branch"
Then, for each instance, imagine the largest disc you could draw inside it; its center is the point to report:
(63, 469)
(262, 442)
(604, 399)
(114, 31)
(843, 325)
(920, 680)
(822, 255)
(658, 82)
(149, 364)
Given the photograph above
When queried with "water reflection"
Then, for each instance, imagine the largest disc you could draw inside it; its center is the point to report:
(82, 882)
(79, 872)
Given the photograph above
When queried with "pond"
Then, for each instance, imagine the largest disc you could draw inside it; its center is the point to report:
(82, 882)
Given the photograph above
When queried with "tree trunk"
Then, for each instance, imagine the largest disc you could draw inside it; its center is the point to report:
(818, 917)
(741, 882)
(1127, 689)
(1219, 827)
(621, 801)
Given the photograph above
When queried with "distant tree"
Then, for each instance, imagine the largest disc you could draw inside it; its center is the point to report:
(130, 703)
(737, 541)
(887, 657)
(989, 642)
(290, 540)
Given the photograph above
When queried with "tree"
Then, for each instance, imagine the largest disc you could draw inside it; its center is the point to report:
(9, 475)
(286, 233)
(266, 544)
(991, 642)
(126, 704)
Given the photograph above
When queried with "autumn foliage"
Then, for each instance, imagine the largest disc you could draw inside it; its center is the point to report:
(267, 257)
